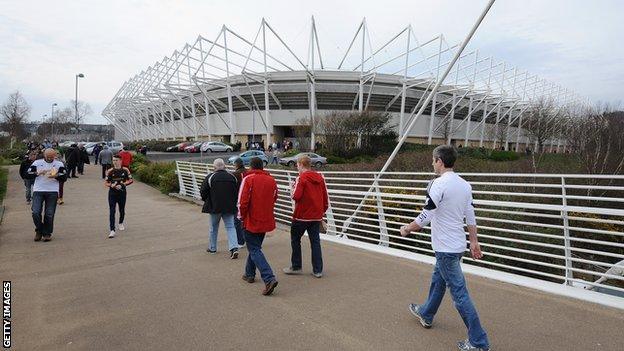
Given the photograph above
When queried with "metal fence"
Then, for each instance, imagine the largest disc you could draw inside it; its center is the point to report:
(563, 228)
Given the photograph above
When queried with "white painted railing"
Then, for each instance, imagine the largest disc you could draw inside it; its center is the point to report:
(563, 228)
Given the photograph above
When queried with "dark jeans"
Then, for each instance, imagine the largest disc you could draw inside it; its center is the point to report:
(240, 232)
(116, 197)
(448, 273)
(104, 169)
(297, 228)
(28, 184)
(81, 167)
(71, 170)
(39, 198)
(256, 258)
(97, 157)
(61, 187)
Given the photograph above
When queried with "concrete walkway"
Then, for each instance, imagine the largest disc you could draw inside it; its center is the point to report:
(154, 287)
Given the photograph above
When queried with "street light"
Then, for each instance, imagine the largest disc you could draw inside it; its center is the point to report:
(52, 117)
(79, 75)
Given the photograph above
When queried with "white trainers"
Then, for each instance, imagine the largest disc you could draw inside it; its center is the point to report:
(121, 226)
(112, 234)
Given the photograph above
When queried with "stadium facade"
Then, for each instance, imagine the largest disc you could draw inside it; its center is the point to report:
(233, 88)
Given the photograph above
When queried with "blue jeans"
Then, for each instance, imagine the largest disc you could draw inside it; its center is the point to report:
(256, 258)
(228, 222)
(45, 226)
(448, 272)
(297, 229)
(28, 184)
(240, 232)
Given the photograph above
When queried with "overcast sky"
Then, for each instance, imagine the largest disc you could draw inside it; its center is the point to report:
(44, 44)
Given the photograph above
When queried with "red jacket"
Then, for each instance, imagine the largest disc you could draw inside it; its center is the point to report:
(126, 158)
(256, 200)
(310, 195)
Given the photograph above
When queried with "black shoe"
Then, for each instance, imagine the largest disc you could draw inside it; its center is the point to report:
(211, 251)
(47, 237)
(234, 254)
(37, 236)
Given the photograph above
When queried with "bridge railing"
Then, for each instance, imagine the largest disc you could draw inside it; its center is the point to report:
(563, 228)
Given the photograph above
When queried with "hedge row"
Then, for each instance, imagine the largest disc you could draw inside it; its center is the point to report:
(160, 175)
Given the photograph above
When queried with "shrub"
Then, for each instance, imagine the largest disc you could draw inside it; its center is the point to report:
(160, 175)
(290, 153)
(336, 160)
(497, 155)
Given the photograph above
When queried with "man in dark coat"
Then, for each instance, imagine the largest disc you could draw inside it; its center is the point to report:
(83, 157)
(28, 181)
(239, 173)
(72, 156)
(219, 191)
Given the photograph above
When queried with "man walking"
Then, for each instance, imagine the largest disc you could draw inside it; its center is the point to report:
(23, 171)
(219, 194)
(126, 157)
(83, 158)
(47, 173)
(117, 179)
(311, 202)
(448, 202)
(106, 160)
(96, 152)
(72, 156)
(239, 173)
(256, 201)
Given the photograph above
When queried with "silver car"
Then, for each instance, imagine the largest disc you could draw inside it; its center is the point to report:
(115, 146)
(317, 160)
(215, 146)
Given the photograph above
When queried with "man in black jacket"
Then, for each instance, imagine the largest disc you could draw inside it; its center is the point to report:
(219, 192)
(83, 157)
(28, 181)
(72, 156)
(239, 173)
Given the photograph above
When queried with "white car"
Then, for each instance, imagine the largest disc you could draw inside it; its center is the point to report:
(115, 146)
(215, 146)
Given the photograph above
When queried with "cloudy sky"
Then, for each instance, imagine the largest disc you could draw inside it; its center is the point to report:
(574, 43)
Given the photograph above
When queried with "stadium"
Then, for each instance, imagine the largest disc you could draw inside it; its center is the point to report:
(233, 88)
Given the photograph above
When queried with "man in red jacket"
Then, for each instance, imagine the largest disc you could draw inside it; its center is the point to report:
(256, 200)
(126, 157)
(311, 202)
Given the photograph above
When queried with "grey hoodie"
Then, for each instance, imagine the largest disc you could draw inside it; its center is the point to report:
(106, 156)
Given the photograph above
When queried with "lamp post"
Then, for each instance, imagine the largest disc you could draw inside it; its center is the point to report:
(79, 75)
(52, 118)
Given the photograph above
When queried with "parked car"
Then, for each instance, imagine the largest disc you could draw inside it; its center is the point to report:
(115, 146)
(317, 160)
(215, 146)
(178, 147)
(193, 147)
(67, 143)
(248, 155)
(89, 147)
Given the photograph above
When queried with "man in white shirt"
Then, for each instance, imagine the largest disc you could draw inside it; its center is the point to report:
(47, 172)
(448, 202)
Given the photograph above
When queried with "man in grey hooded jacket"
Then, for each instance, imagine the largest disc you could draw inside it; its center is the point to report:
(106, 160)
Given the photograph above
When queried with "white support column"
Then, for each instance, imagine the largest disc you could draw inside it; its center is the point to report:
(233, 128)
(267, 110)
(208, 124)
(433, 101)
(468, 122)
(483, 125)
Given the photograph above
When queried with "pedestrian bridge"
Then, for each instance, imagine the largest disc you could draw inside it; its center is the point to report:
(154, 287)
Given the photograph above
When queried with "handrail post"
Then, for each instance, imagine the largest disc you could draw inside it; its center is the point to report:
(384, 239)
(180, 179)
(566, 235)
(195, 187)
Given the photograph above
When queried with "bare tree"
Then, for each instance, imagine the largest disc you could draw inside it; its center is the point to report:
(83, 110)
(596, 137)
(14, 113)
(542, 122)
(302, 131)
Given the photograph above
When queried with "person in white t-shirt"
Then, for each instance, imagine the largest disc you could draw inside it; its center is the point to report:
(47, 173)
(448, 201)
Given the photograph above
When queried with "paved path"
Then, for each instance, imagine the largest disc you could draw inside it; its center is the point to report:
(155, 288)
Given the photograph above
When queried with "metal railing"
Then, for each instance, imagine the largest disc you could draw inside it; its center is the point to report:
(563, 228)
